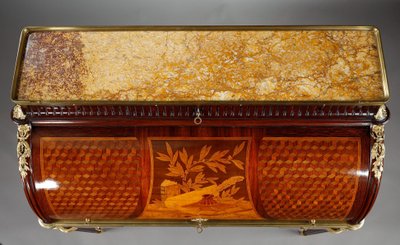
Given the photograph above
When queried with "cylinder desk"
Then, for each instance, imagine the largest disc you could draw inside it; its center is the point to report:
(201, 126)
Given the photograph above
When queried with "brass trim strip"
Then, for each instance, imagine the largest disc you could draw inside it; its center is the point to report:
(201, 223)
(26, 31)
(198, 103)
(385, 84)
(185, 223)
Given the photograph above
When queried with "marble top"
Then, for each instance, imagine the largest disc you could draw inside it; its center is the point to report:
(201, 65)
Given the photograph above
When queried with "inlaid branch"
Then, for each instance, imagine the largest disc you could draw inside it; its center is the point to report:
(184, 166)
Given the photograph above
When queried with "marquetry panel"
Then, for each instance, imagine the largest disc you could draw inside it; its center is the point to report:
(200, 177)
(95, 178)
(308, 177)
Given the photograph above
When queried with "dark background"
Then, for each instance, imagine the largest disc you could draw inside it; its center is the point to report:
(18, 224)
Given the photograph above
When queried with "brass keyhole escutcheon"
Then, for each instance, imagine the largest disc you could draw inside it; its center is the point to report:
(197, 120)
(199, 226)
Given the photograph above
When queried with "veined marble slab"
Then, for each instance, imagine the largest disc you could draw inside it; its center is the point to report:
(201, 65)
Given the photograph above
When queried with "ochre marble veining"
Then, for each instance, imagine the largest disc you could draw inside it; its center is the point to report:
(230, 65)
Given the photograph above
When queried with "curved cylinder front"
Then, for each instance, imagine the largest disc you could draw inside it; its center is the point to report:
(272, 174)
(308, 178)
(90, 178)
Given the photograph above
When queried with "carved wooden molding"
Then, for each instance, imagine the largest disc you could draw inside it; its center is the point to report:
(205, 111)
